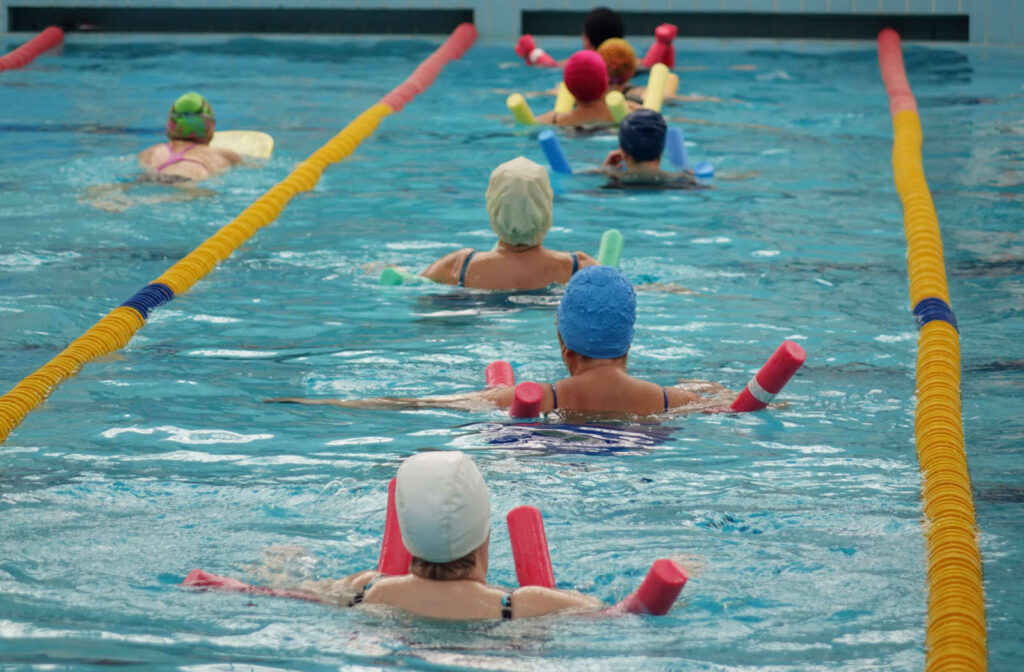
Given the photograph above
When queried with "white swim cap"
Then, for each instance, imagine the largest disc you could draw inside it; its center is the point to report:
(519, 200)
(444, 511)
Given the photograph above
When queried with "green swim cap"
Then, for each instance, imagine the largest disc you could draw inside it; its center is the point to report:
(191, 118)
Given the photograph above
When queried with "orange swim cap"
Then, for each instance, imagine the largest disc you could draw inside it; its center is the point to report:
(620, 59)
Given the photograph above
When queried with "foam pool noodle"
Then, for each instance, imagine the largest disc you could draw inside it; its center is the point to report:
(526, 403)
(771, 378)
(655, 93)
(519, 108)
(616, 102)
(394, 557)
(553, 151)
(499, 373)
(530, 547)
(676, 147)
(671, 85)
(400, 276)
(611, 248)
(564, 101)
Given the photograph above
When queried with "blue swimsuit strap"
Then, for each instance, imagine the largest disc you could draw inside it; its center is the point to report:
(465, 267)
(554, 396)
(664, 392)
(575, 262)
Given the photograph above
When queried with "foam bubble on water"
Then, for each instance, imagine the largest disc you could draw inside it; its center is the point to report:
(189, 436)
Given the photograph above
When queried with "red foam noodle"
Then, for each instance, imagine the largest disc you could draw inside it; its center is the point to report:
(526, 403)
(656, 595)
(499, 373)
(772, 377)
(530, 547)
(26, 53)
(394, 558)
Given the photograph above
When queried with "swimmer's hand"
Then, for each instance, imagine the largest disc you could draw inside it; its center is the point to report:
(616, 159)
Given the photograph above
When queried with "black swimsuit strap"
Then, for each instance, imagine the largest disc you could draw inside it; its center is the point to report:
(465, 267)
(554, 396)
(664, 392)
(575, 263)
(506, 607)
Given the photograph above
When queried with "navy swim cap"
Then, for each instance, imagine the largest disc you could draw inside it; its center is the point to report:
(596, 315)
(642, 135)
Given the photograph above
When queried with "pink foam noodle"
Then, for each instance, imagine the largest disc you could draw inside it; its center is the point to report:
(499, 373)
(530, 547)
(526, 403)
(198, 578)
(394, 558)
(772, 377)
(662, 50)
(656, 595)
(894, 74)
(28, 52)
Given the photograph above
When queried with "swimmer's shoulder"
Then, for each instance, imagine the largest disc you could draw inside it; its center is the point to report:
(585, 259)
(446, 270)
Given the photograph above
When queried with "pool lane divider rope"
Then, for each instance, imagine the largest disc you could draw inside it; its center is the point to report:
(955, 637)
(116, 328)
(18, 58)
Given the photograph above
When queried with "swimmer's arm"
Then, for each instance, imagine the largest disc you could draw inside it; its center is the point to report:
(547, 118)
(586, 259)
(533, 601)
(338, 591)
(446, 269)
(467, 401)
(231, 156)
(616, 159)
(698, 393)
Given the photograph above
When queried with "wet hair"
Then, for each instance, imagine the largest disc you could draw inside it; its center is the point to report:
(602, 24)
(453, 570)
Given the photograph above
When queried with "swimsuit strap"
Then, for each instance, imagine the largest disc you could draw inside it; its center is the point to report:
(178, 157)
(575, 262)
(506, 607)
(554, 396)
(664, 393)
(465, 267)
(361, 595)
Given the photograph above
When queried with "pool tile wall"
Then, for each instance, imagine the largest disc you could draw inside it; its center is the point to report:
(992, 22)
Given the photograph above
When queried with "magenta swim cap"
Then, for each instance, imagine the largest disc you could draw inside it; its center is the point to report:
(586, 76)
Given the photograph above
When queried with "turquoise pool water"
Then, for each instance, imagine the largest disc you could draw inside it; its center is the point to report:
(801, 526)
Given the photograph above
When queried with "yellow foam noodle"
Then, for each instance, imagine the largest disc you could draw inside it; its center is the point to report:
(255, 144)
(564, 101)
(671, 84)
(655, 93)
(519, 108)
(616, 102)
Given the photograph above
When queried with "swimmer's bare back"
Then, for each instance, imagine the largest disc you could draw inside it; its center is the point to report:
(197, 161)
(506, 268)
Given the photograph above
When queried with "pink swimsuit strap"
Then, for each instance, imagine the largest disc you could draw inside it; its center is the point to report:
(178, 157)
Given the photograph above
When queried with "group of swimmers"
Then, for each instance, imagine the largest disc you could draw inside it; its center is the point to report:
(442, 503)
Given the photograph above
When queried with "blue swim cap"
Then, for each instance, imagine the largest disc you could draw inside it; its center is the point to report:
(642, 134)
(596, 315)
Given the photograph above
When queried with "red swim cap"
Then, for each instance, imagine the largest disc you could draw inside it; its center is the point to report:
(586, 76)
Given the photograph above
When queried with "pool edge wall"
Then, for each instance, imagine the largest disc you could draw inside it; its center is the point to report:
(982, 22)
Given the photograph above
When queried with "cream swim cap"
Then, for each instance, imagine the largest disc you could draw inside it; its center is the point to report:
(444, 511)
(519, 201)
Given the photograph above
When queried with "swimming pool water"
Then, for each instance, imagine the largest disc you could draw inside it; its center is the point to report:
(801, 526)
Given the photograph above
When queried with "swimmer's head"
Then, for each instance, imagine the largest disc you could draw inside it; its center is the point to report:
(444, 509)
(642, 135)
(619, 58)
(599, 25)
(586, 76)
(519, 202)
(191, 118)
(597, 312)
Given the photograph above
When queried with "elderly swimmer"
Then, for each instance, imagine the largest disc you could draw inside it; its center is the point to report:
(519, 203)
(620, 60)
(187, 155)
(637, 161)
(444, 514)
(586, 77)
(595, 331)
